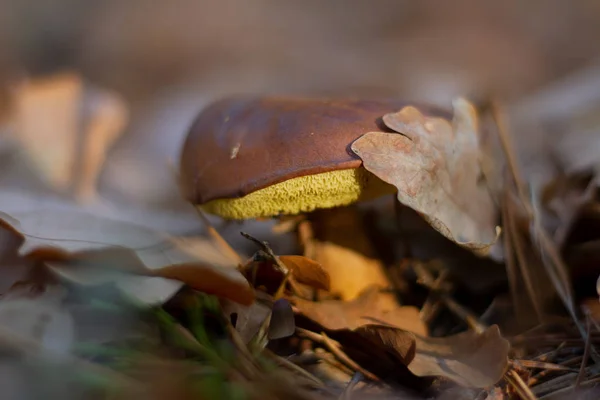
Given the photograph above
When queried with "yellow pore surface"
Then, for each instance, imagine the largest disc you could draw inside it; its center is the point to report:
(303, 194)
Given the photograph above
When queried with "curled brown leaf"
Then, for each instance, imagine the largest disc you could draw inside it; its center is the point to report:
(469, 358)
(436, 167)
(371, 307)
(400, 343)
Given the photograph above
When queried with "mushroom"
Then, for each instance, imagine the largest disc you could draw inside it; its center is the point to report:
(264, 157)
(259, 157)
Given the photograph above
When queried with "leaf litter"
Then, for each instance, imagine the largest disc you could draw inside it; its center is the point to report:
(471, 359)
(371, 307)
(345, 251)
(90, 249)
(276, 318)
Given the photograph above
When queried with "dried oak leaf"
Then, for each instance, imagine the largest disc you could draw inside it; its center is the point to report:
(371, 307)
(146, 265)
(435, 165)
(470, 359)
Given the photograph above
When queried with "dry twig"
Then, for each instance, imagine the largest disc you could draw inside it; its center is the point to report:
(517, 383)
(553, 263)
(335, 348)
(461, 312)
(586, 351)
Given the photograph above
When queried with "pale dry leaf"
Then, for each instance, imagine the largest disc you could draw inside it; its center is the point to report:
(248, 319)
(92, 249)
(99, 324)
(283, 323)
(371, 307)
(46, 124)
(350, 272)
(470, 359)
(41, 320)
(435, 165)
(144, 289)
(107, 115)
(65, 127)
(15, 198)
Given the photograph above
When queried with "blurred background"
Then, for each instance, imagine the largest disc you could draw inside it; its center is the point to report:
(158, 63)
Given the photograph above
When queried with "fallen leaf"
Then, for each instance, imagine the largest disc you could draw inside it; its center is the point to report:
(41, 320)
(248, 320)
(324, 366)
(350, 272)
(99, 325)
(65, 127)
(338, 240)
(307, 271)
(264, 275)
(45, 123)
(91, 249)
(382, 350)
(263, 271)
(14, 198)
(470, 359)
(282, 322)
(371, 307)
(141, 289)
(14, 270)
(400, 343)
(435, 165)
(107, 116)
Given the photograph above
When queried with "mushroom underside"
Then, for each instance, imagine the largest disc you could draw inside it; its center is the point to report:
(303, 194)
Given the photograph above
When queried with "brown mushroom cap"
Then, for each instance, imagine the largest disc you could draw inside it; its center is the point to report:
(238, 146)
